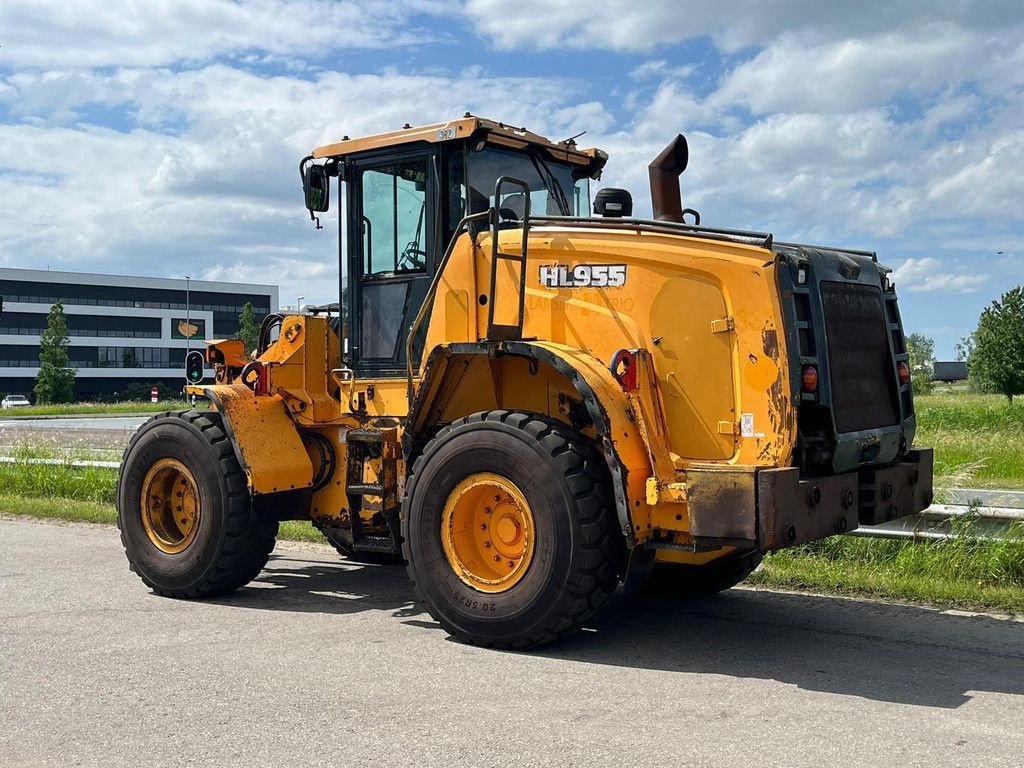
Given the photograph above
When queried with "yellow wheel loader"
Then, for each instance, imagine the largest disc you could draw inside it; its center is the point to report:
(532, 402)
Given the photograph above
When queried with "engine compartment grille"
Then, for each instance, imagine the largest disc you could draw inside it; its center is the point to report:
(863, 383)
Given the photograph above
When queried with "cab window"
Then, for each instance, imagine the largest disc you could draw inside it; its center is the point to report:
(394, 226)
(556, 189)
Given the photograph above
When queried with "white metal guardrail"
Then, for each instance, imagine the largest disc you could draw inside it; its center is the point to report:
(940, 521)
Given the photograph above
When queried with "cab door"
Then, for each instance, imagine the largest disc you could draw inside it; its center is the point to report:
(391, 257)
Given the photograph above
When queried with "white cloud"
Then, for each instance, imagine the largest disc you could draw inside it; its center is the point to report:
(981, 179)
(208, 182)
(928, 274)
(860, 127)
(732, 24)
(95, 33)
(793, 75)
(659, 68)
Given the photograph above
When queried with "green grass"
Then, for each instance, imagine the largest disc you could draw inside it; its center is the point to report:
(963, 572)
(978, 439)
(56, 508)
(91, 484)
(76, 409)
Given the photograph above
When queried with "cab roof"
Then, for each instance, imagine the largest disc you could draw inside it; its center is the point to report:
(466, 127)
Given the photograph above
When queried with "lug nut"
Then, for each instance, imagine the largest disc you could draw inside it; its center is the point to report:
(487, 544)
(497, 558)
(511, 564)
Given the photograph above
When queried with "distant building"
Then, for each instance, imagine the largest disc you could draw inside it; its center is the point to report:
(123, 330)
(949, 371)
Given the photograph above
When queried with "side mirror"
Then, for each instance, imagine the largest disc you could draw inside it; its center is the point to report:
(316, 183)
(194, 367)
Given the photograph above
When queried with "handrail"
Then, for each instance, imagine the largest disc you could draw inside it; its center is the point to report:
(760, 239)
(507, 332)
(428, 299)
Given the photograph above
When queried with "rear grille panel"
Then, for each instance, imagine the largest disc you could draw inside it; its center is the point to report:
(863, 383)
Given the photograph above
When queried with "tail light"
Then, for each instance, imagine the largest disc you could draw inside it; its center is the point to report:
(810, 378)
(904, 372)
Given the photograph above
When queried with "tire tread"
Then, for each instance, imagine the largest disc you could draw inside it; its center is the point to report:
(593, 582)
(247, 543)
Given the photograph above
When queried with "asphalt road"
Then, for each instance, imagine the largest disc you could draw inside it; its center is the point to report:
(321, 662)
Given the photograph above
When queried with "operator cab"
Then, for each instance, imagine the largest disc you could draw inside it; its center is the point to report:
(403, 195)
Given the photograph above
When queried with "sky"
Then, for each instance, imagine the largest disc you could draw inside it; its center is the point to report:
(162, 138)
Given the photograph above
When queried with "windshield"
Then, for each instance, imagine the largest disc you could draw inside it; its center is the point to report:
(555, 189)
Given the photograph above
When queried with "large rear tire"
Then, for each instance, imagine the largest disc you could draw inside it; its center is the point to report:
(510, 531)
(184, 509)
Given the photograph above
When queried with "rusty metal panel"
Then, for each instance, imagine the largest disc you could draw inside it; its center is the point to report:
(722, 502)
(793, 511)
(265, 438)
(902, 489)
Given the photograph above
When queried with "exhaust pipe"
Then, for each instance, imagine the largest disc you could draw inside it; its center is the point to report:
(664, 171)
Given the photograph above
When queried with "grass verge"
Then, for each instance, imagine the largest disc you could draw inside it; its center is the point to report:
(966, 572)
(982, 433)
(79, 409)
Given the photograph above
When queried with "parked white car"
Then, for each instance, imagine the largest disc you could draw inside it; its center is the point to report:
(14, 401)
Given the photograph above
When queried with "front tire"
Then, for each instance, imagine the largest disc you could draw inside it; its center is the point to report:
(184, 509)
(510, 531)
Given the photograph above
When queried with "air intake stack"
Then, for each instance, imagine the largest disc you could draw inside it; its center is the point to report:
(664, 171)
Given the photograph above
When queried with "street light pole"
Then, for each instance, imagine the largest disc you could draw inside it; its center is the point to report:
(188, 318)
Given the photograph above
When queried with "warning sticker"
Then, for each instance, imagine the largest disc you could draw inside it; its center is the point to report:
(747, 424)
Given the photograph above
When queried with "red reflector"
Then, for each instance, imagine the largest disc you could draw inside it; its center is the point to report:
(811, 378)
(904, 371)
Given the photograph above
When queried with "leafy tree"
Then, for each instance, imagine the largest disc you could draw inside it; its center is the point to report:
(921, 350)
(998, 353)
(248, 327)
(964, 347)
(56, 380)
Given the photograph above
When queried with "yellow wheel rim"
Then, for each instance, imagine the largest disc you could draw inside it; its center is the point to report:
(487, 532)
(170, 506)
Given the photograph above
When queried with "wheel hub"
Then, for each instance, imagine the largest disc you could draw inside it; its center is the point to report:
(170, 506)
(487, 532)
